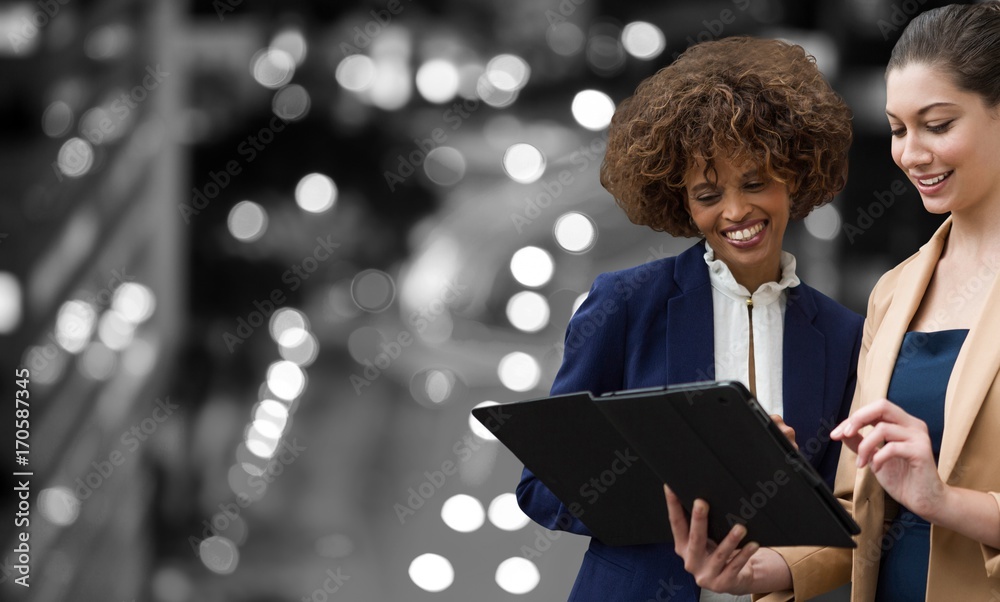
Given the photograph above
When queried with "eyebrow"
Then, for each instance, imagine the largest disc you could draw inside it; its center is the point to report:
(925, 109)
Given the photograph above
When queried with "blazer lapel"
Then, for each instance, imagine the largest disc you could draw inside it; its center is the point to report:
(974, 373)
(910, 289)
(690, 329)
(803, 366)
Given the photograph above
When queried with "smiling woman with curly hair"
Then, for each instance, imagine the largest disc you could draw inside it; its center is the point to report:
(728, 143)
(743, 99)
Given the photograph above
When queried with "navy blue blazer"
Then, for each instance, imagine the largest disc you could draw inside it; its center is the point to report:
(652, 325)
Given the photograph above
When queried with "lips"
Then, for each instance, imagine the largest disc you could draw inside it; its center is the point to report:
(745, 233)
(934, 180)
(932, 183)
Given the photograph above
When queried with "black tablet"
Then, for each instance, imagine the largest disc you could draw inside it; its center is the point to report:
(606, 458)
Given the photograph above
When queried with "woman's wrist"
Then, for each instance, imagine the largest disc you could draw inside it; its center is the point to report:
(939, 511)
(770, 572)
(968, 512)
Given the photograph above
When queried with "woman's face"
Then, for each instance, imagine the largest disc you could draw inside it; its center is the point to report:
(946, 140)
(743, 216)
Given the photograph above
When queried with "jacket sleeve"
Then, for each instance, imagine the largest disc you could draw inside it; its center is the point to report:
(593, 360)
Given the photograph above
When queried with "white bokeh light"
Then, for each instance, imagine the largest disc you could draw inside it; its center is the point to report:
(565, 38)
(59, 506)
(115, 331)
(291, 103)
(219, 554)
(532, 266)
(528, 311)
(523, 163)
(303, 350)
(315, 193)
(288, 326)
(75, 158)
(593, 109)
(575, 232)
(463, 513)
(477, 427)
(291, 337)
(11, 302)
(247, 221)
(392, 87)
(272, 67)
(134, 301)
(643, 40)
(824, 223)
(445, 165)
(75, 323)
(268, 428)
(437, 81)
(356, 73)
(517, 575)
(373, 290)
(505, 514)
(293, 42)
(285, 379)
(432, 572)
(269, 410)
(261, 444)
(507, 72)
(519, 372)
(57, 119)
(438, 386)
(493, 96)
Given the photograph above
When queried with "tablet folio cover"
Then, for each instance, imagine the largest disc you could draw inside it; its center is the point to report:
(606, 458)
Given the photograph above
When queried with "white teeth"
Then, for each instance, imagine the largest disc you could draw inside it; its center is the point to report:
(746, 233)
(934, 181)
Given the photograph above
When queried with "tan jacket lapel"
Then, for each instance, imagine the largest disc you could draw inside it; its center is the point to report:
(974, 373)
(909, 291)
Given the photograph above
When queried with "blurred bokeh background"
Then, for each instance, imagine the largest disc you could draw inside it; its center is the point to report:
(261, 259)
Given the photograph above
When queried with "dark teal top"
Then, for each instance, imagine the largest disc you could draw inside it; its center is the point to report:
(918, 385)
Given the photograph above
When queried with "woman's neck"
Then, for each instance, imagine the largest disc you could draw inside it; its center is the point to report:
(975, 232)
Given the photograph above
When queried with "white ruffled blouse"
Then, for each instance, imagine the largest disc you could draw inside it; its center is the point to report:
(733, 316)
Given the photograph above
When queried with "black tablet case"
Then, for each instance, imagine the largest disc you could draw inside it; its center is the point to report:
(606, 458)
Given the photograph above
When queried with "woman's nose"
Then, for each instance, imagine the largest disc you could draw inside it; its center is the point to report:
(915, 153)
(736, 207)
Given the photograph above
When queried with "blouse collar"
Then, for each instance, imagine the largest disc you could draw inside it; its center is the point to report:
(723, 280)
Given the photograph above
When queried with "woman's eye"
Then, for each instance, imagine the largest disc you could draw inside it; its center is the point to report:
(940, 127)
(754, 185)
(898, 132)
(707, 198)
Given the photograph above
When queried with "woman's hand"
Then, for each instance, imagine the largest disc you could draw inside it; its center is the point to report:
(898, 449)
(723, 567)
(786, 430)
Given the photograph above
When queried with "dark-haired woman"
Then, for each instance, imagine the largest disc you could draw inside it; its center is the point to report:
(728, 144)
(921, 462)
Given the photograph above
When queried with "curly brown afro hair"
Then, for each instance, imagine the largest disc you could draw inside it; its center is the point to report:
(741, 99)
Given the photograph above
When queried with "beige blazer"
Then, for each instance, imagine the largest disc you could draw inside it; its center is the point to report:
(959, 568)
